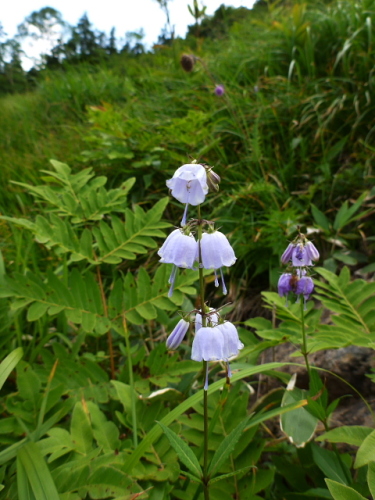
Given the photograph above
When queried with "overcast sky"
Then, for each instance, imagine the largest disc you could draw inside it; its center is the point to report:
(125, 15)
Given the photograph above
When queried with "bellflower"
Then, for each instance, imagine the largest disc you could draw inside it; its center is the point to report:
(216, 252)
(284, 285)
(296, 283)
(231, 339)
(208, 345)
(218, 343)
(178, 334)
(189, 185)
(311, 251)
(300, 257)
(305, 287)
(287, 255)
(180, 250)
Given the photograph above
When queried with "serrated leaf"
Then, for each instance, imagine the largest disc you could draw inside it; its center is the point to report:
(183, 451)
(226, 447)
(230, 474)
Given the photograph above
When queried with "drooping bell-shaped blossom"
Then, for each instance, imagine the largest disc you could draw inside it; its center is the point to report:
(208, 345)
(305, 287)
(178, 334)
(287, 255)
(216, 252)
(179, 249)
(312, 251)
(300, 256)
(189, 185)
(285, 284)
(232, 342)
(299, 283)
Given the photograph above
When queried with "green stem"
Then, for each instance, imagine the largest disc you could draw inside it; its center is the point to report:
(304, 340)
(205, 410)
(205, 364)
(131, 382)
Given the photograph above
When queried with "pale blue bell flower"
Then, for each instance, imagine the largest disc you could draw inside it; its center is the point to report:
(208, 345)
(180, 250)
(189, 185)
(216, 252)
(232, 342)
(178, 334)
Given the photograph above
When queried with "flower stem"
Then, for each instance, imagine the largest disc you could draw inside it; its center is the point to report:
(205, 365)
(131, 381)
(304, 341)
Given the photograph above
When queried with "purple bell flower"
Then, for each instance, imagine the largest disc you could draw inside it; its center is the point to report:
(178, 334)
(312, 251)
(189, 185)
(180, 250)
(305, 287)
(300, 256)
(284, 285)
(208, 345)
(287, 255)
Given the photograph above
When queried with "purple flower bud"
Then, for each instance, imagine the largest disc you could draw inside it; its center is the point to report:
(300, 256)
(232, 341)
(179, 249)
(219, 90)
(216, 251)
(178, 334)
(287, 255)
(305, 287)
(208, 345)
(311, 251)
(285, 285)
(189, 184)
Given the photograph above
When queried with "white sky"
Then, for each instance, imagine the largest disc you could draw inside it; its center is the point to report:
(125, 15)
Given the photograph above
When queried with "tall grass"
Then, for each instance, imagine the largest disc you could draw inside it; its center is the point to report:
(294, 127)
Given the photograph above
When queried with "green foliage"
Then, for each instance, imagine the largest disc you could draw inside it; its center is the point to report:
(79, 289)
(351, 320)
(342, 492)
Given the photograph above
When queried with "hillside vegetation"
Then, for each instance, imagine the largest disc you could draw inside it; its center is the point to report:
(280, 100)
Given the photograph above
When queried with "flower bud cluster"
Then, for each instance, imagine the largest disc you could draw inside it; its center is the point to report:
(298, 256)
